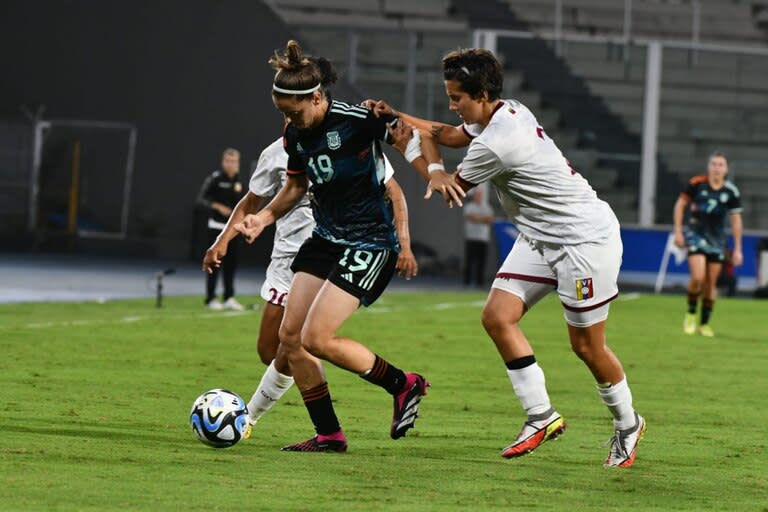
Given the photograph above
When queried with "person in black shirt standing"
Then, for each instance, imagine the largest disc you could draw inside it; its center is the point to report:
(219, 194)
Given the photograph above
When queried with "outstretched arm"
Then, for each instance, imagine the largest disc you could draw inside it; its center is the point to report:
(250, 203)
(428, 163)
(252, 225)
(406, 262)
(444, 134)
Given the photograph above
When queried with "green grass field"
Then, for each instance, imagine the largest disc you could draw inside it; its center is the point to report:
(96, 397)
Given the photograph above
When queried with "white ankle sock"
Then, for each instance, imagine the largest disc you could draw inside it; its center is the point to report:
(618, 399)
(272, 387)
(530, 388)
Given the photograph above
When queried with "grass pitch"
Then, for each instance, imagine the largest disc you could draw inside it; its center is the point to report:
(96, 397)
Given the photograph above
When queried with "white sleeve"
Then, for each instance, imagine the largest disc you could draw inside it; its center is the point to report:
(480, 164)
(472, 130)
(389, 171)
(265, 179)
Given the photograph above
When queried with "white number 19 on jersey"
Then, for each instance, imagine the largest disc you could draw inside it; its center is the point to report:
(323, 168)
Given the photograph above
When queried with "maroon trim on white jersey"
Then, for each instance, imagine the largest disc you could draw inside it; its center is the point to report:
(525, 277)
(498, 107)
(589, 308)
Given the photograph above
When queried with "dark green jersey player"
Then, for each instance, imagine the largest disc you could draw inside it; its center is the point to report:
(711, 201)
(709, 211)
(353, 252)
(342, 159)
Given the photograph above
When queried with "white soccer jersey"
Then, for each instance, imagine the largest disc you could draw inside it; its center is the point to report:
(543, 195)
(269, 177)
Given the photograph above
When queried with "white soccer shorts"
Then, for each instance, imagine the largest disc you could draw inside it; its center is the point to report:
(584, 275)
(278, 281)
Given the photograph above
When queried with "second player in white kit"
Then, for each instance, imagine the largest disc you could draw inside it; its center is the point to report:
(290, 231)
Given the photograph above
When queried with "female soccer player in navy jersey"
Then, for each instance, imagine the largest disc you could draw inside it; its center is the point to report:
(711, 199)
(292, 230)
(569, 242)
(352, 253)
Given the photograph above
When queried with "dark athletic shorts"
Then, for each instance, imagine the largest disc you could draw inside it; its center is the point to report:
(361, 273)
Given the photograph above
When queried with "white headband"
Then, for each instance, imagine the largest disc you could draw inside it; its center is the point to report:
(291, 91)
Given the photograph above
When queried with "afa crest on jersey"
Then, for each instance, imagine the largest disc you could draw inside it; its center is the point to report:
(584, 289)
(334, 140)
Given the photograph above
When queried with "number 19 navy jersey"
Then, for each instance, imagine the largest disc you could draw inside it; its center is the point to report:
(343, 161)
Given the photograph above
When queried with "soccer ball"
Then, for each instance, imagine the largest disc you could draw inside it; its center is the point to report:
(219, 418)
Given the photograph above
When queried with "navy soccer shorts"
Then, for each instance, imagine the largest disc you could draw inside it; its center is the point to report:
(363, 273)
(698, 244)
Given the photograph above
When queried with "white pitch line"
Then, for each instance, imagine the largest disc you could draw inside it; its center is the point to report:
(440, 306)
(124, 320)
(130, 319)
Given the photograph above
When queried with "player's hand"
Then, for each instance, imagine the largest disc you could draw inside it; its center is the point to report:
(251, 227)
(445, 184)
(400, 134)
(380, 107)
(680, 240)
(213, 257)
(407, 266)
(737, 258)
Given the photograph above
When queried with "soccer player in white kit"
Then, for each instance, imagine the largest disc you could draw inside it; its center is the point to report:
(290, 233)
(569, 241)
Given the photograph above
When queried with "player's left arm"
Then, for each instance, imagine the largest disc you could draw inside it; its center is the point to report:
(249, 204)
(736, 231)
(479, 164)
(422, 152)
(408, 141)
(406, 262)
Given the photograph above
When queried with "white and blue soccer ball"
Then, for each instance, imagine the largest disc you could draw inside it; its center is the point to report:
(219, 418)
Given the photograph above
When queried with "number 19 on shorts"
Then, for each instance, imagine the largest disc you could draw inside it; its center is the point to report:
(362, 267)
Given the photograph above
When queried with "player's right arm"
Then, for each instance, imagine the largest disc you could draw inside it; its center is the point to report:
(677, 217)
(295, 188)
(442, 133)
(250, 203)
(293, 191)
(678, 214)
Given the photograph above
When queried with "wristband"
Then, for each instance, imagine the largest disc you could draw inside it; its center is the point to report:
(413, 149)
(435, 167)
